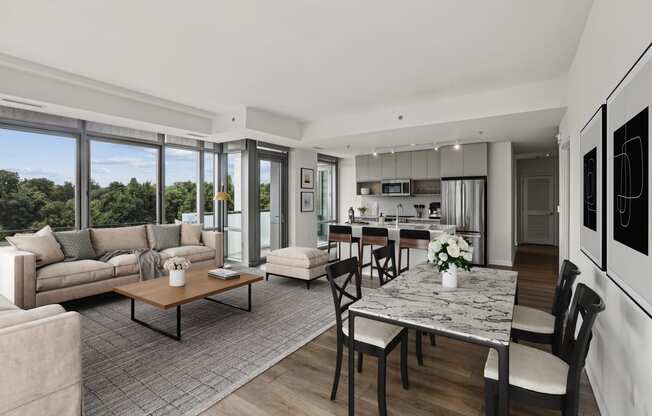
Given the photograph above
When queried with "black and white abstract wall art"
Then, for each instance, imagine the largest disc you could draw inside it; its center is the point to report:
(593, 143)
(630, 179)
(628, 183)
(590, 204)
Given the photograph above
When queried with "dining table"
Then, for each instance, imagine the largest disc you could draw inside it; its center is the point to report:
(479, 311)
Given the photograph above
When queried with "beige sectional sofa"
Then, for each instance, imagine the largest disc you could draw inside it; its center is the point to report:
(41, 361)
(28, 286)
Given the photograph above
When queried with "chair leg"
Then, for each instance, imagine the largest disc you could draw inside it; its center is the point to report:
(350, 250)
(490, 401)
(400, 263)
(360, 362)
(329, 250)
(419, 349)
(338, 370)
(432, 340)
(382, 404)
(404, 361)
(266, 276)
(308, 284)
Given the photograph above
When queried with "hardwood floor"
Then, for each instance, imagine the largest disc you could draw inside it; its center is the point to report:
(450, 383)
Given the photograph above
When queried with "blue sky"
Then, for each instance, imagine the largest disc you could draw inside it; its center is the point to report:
(35, 155)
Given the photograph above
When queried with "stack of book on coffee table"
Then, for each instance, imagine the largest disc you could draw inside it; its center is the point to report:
(224, 274)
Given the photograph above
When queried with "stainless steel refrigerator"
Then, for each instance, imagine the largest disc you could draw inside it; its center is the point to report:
(464, 204)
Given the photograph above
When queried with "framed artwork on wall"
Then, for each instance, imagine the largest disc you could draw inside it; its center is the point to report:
(307, 201)
(593, 142)
(628, 183)
(307, 178)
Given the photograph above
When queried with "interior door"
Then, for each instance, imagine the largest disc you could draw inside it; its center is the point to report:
(538, 210)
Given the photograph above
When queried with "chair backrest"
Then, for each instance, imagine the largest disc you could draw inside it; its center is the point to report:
(588, 304)
(419, 239)
(562, 299)
(343, 233)
(385, 262)
(375, 235)
(340, 287)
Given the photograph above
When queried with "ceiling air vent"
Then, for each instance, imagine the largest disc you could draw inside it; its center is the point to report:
(199, 136)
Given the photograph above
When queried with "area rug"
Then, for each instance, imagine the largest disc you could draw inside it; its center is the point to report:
(131, 370)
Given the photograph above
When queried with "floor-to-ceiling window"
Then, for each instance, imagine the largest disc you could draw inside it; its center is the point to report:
(210, 179)
(234, 206)
(326, 196)
(37, 181)
(181, 172)
(123, 183)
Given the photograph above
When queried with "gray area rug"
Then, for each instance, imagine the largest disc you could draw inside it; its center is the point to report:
(131, 370)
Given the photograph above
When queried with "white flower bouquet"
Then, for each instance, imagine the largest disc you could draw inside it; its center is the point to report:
(177, 264)
(450, 252)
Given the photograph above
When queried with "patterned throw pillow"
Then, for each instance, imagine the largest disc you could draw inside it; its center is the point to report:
(76, 245)
(166, 236)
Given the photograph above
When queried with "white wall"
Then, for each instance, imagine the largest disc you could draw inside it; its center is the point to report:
(499, 204)
(619, 363)
(347, 187)
(302, 225)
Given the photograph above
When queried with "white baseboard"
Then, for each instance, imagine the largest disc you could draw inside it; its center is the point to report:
(500, 262)
(596, 393)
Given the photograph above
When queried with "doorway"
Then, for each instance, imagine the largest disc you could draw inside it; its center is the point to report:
(538, 210)
(272, 217)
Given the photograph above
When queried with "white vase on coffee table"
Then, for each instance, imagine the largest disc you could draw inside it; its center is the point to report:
(449, 277)
(177, 278)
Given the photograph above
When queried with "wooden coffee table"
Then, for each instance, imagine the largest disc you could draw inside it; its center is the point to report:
(199, 286)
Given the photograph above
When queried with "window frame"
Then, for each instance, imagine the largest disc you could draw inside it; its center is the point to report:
(330, 160)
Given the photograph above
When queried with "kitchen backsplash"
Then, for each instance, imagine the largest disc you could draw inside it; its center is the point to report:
(387, 205)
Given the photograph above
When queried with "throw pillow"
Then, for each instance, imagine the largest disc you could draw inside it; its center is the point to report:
(76, 245)
(43, 244)
(190, 233)
(166, 236)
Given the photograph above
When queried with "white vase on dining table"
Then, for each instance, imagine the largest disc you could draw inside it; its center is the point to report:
(449, 277)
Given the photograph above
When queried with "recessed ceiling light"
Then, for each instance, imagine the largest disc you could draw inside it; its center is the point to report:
(375, 153)
(547, 154)
(400, 117)
(413, 144)
(393, 150)
(456, 146)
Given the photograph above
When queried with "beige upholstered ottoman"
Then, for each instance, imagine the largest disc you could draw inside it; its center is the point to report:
(297, 263)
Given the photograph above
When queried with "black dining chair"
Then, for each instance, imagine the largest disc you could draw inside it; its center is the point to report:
(534, 325)
(384, 258)
(542, 379)
(371, 337)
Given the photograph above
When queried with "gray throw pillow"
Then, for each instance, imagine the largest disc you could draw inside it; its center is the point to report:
(166, 236)
(76, 245)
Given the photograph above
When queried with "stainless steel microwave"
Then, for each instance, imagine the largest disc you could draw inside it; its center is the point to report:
(396, 187)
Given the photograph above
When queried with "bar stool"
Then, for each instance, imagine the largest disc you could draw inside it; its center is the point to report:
(372, 236)
(417, 239)
(341, 234)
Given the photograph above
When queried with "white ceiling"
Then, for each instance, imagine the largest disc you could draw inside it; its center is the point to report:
(306, 60)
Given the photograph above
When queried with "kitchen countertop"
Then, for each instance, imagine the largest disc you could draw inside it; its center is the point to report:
(435, 229)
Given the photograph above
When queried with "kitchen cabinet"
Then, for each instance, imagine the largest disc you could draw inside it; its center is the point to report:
(452, 161)
(475, 159)
(404, 165)
(419, 168)
(388, 166)
(362, 168)
(434, 163)
(374, 170)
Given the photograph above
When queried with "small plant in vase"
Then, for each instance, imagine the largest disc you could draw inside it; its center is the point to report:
(449, 253)
(362, 211)
(177, 267)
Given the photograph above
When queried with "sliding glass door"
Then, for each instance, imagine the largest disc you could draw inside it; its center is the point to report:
(326, 197)
(272, 217)
(233, 227)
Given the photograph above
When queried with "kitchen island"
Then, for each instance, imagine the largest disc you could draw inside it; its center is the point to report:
(416, 256)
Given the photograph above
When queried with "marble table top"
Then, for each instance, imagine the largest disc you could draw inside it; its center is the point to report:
(479, 309)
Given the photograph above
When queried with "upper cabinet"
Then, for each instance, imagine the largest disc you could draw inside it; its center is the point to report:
(387, 166)
(475, 159)
(434, 164)
(452, 161)
(404, 165)
(362, 168)
(419, 168)
(468, 160)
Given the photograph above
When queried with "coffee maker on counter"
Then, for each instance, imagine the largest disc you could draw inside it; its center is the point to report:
(434, 210)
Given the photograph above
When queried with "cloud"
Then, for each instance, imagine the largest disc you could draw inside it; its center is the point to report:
(31, 173)
(180, 154)
(132, 162)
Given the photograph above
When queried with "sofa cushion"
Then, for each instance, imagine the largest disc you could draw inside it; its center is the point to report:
(43, 244)
(67, 274)
(190, 233)
(76, 245)
(121, 238)
(165, 236)
(193, 253)
(298, 257)
(124, 264)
